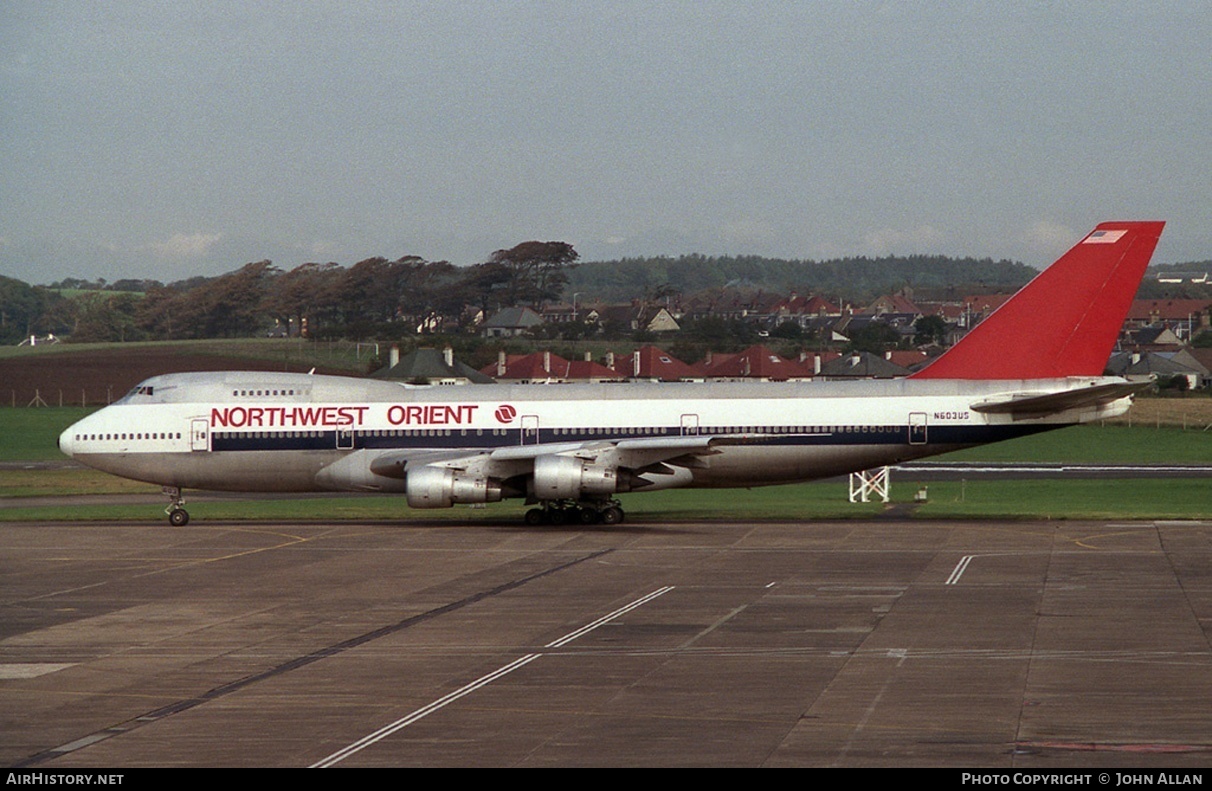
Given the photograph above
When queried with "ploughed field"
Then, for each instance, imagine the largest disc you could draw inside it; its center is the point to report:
(100, 376)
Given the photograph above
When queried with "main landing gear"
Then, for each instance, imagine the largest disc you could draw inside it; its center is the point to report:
(177, 515)
(564, 512)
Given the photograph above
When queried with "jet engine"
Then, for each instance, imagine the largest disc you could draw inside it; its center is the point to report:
(439, 487)
(569, 478)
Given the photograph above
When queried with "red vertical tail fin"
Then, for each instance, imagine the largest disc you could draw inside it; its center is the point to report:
(1066, 320)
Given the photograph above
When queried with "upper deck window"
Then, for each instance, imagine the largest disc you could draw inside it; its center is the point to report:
(265, 393)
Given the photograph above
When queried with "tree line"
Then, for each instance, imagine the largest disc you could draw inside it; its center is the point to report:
(377, 298)
(860, 279)
(386, 299)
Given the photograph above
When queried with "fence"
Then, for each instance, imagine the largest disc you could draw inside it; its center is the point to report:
(60, 398)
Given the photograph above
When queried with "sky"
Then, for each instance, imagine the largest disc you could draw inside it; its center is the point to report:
(167, 140)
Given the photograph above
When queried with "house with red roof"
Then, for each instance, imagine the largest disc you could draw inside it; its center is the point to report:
(649, 363)
(899, 303)
(755, 363)
(1152, 311)
(1183, 318)
(801, 310)
(547, 368)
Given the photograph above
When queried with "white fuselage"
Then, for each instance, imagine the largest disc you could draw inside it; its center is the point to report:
(245, 431)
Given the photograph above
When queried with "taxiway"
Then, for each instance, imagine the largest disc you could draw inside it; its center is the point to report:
(858, 643)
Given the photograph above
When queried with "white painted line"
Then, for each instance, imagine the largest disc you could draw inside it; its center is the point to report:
(424, 711)
(568, 638)
(959, 570)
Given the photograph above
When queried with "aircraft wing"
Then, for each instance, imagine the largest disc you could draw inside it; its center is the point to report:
(551, 471)
(1022, 406)
(635, 455)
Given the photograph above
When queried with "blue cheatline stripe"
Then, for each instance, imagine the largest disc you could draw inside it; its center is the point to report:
(456, 439)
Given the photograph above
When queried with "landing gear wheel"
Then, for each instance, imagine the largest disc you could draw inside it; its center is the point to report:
(535, 516)
(556, 516)
(588, 516)
(612, 515)
(177, 515)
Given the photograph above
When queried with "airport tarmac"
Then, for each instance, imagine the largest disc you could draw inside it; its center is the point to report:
(1027, 645)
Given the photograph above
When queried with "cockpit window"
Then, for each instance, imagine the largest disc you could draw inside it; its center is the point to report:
(140, 390)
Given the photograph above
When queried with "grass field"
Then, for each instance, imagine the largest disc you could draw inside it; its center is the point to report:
(1099, 444)
(1049, 499)
(1003, 499)
(32, 434)
(1189, 412)
(29, 434)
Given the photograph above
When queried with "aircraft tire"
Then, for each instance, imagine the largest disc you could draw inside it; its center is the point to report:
(588, 516)
(535, 516)
(178, 517)
(612, 515)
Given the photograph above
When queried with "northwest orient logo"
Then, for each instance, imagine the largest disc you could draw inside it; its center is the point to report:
(505, 413)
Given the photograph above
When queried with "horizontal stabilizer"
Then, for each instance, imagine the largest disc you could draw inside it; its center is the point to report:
(1029, 405)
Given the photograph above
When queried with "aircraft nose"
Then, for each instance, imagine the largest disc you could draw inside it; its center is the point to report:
(67, 442)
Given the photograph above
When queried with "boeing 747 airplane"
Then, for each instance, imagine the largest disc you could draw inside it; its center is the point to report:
(1035, 364)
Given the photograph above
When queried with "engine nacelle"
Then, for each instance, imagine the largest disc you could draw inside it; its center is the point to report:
(439, 487)
(568, 478)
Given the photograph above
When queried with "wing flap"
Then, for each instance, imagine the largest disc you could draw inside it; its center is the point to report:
(632, 454)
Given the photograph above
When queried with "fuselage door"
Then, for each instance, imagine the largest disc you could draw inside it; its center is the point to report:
(199, 434)
(530, 429)
(345, 438)
(690, 425)
(917, 428)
